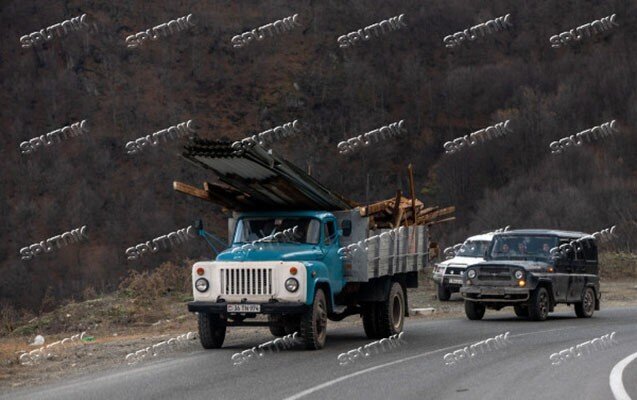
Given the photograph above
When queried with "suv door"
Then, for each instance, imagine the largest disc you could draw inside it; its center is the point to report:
(562, 274)
(577, 271)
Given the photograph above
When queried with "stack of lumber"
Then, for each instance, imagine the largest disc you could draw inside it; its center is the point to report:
(385, 214)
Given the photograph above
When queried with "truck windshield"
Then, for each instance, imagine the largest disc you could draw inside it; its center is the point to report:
(522, 247)
(473, 248)
(284, 229)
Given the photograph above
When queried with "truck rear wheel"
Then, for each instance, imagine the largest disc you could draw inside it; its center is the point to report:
(370, 321)
(314, 323)
(444, 294)
(212, 330)
(391, 312)
(474, 310)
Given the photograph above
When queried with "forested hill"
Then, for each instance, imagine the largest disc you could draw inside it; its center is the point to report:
(409, 74)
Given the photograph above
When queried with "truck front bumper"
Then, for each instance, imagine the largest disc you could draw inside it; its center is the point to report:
(502, 294)
(266, 308)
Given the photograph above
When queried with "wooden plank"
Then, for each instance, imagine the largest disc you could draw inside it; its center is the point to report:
(441, 221)
(191, 190)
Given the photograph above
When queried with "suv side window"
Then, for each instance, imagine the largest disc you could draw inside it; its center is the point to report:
(330, 232)
(590, 250)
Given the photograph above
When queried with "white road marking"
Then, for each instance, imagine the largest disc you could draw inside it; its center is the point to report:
(615, 380)
(400, 361)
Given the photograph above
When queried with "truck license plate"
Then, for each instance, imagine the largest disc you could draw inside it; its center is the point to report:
(455, 281)
(244, 308)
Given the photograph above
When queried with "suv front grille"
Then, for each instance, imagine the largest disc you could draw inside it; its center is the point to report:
(454, 271)
(494, 274)
(246, 281)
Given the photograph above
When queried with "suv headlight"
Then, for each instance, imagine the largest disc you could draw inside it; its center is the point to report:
(202, 284)
(519, 274)
(291, 285)
(471, 274)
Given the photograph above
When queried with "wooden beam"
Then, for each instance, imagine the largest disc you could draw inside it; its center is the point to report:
(398, 212)
(412, 191)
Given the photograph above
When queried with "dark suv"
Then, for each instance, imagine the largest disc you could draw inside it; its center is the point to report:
(533, 270)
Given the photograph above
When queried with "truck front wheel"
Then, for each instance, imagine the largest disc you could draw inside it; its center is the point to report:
(391, 312)
(314, 323)
(212, 330)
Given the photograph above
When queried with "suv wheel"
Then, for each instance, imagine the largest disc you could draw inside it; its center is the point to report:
(474, 310)
(586, 308)
(539, 304)
(444, 294)
(521, 311)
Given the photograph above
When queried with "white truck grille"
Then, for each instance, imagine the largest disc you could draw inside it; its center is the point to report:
(246, 281)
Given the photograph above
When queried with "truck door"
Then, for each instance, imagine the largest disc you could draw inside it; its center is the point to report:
(332, 259)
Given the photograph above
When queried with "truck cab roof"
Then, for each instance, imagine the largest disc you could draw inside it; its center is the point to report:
(322, 215)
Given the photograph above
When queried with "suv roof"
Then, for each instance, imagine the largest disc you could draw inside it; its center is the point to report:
(484, 236)
(554, 232)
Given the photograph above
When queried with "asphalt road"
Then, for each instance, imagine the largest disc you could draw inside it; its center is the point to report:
(416, 370)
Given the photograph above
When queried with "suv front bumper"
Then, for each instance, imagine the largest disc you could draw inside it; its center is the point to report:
(495, 293)
(266, 308)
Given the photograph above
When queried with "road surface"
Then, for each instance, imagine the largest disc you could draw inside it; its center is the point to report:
(416, 370)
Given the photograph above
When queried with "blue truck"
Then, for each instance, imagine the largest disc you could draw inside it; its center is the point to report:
(299, 254)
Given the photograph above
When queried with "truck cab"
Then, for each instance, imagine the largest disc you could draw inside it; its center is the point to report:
(278, 264)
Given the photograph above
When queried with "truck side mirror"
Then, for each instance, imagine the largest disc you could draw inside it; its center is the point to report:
(346, 226)
(198, 224)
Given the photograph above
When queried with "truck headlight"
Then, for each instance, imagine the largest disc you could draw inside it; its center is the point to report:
(471, 274)
(519, 274)
(291, 285)
(202, 284)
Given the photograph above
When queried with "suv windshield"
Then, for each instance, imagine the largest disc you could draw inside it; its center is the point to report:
(522, 247)
(284, 229)
(473, 248)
